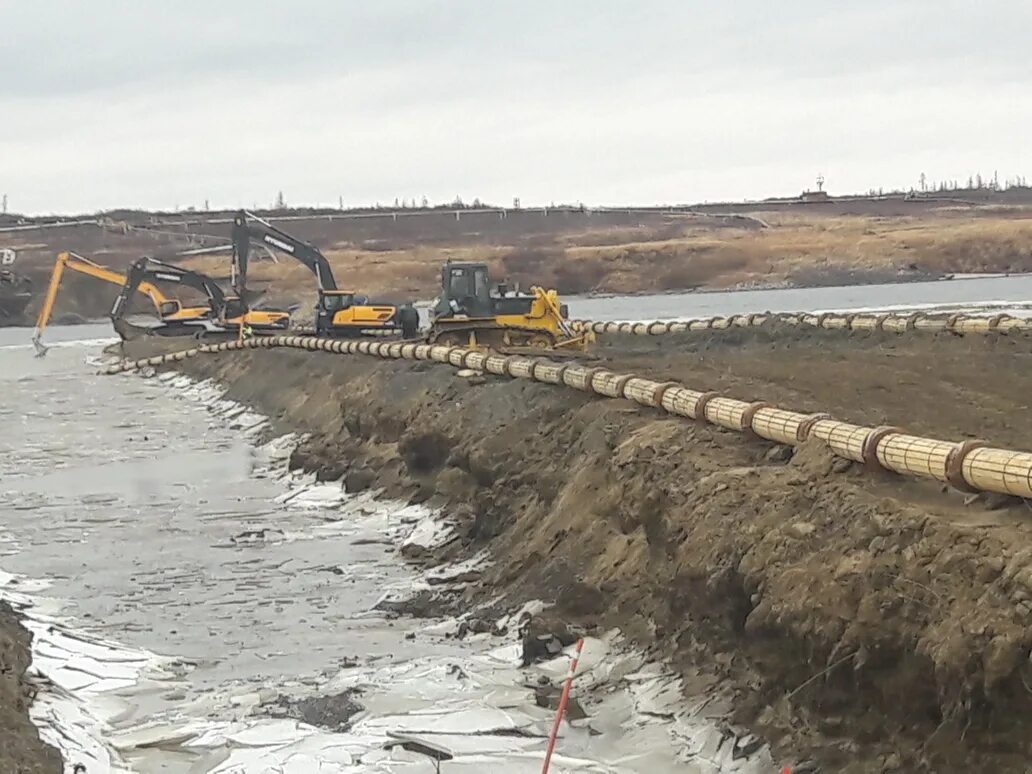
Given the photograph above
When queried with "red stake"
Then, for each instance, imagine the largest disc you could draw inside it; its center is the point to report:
(563, 699)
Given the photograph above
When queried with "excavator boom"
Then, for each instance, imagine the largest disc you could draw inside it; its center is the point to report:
(248, 227)
(75, 262)
(338, 312)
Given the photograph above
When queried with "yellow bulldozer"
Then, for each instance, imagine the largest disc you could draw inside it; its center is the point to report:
(472, 313)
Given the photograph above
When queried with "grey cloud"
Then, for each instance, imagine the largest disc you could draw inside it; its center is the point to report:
(158, 103)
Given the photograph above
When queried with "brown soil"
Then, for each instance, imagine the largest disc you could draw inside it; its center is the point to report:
(21, 750)
(867, 621)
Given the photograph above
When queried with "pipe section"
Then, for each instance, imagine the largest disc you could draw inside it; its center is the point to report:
(898, 323)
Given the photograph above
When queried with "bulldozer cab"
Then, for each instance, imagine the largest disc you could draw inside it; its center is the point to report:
(466, 289)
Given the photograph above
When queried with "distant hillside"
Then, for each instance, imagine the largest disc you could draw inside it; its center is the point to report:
(398, 253)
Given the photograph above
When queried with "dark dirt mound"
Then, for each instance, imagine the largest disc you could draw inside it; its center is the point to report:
(21, 750)
(333, 712)
(871, 622)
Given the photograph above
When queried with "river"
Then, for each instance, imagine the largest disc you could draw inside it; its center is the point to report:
(1006, 294)
(187, 593)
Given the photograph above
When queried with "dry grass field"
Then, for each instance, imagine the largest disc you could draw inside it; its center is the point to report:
(679, 254)
(848, 241)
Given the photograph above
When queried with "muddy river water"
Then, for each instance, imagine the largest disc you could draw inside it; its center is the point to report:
(188, 594)
(1010, 294)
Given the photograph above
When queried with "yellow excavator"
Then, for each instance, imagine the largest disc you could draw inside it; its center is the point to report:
(221, 314)
(338, 312)
(169, 310)
(225, 313)
(469, 312)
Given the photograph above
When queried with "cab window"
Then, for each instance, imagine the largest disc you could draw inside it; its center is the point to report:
(336, 301)
(458, 285)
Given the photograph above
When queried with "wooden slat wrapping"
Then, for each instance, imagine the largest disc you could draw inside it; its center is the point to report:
(999, 470)
(779, 425)
(971, 325)
(864, 323)
(844, 439)
(548, 373)
(681, 401)
(641, 391)
(606, 383)
(726, 412)
(476, 361)
(1014, 324)
(894, 324)
(913, 455)
(520, 367)
(495, 364)
(576, 377)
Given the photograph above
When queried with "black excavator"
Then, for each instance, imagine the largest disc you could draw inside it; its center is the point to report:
(226, 313)
(339, 313)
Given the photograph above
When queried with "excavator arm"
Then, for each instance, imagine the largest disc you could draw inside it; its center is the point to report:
(146, 271)
(338, 312)
(249, 228)
(74, 262)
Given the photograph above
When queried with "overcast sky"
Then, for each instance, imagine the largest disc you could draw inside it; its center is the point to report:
(164, 104)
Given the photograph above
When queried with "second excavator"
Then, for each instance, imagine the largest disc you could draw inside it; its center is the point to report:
(226, 313)
(338, 312)
(173, 316)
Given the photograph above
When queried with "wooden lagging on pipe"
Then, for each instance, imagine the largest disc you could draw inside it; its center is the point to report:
(956, 323)
(970, 466)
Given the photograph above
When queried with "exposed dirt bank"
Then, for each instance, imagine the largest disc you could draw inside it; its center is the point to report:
(21, 750)
(870, 622)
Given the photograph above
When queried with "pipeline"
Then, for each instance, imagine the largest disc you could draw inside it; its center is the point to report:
(896, 323)
(969, 466)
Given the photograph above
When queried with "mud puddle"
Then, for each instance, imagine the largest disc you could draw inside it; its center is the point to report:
(199, 609)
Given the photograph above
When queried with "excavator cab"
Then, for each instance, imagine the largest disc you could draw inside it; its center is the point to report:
(333, 301)
(170, 308)
(233, 308)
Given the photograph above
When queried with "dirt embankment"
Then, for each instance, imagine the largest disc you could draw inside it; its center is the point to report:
(21, 749)
(867, 621)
